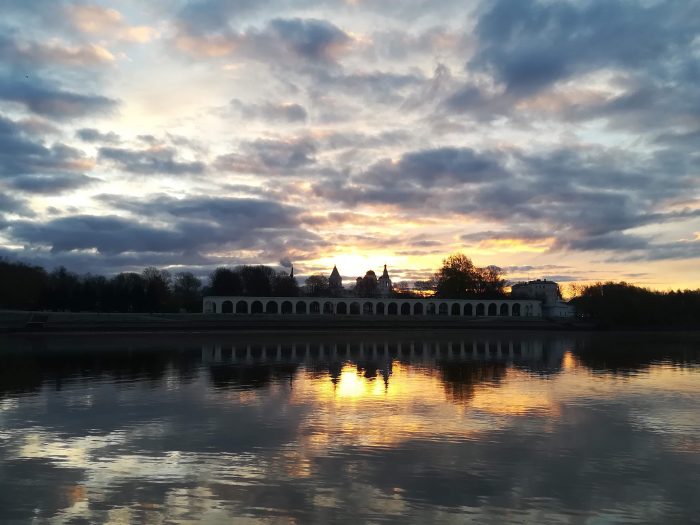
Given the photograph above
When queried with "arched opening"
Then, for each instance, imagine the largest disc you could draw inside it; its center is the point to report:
(355, 308)
(241, 307)
(442, 309)
(227, 307)
(504, 310)
(328, 307)
(455, 309)
(468, 310)
(368, 309)
(315, 307)
(341, 308)
(406, 309)
(516, 310)
(271, 307)
(392, 309)
(287, 307)
(492, 309)
(431, 308)
(418, 309)
(301, 307)
(480, 310)
(380, 308)
(210, 307)
(256, 307)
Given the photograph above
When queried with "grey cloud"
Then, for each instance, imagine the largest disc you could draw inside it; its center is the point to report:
(282, 41)
(50, 184)
(531, 44)
(267, 156)
(46, 99)
(150, 161)
(20, 155)
(271, 112)
(197, 224)
(311, 38)
(94, 135)
(586, 200)
(29, 54)
(441, 166)
(11, 204)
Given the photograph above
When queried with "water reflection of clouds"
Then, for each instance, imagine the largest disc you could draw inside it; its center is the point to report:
(436, 438)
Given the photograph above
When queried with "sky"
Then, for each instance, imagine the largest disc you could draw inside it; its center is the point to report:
(554, 139)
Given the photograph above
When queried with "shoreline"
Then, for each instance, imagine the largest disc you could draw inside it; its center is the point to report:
(90, 322)
(23, 322)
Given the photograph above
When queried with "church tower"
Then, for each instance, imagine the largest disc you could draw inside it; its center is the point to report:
(384, 283)
(335, 281)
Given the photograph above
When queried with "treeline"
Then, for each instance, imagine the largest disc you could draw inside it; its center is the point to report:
(28, 287)
(625, 305)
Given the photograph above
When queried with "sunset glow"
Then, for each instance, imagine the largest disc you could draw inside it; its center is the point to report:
(195, 134)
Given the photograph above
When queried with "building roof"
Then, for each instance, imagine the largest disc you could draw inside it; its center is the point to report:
(385, 273)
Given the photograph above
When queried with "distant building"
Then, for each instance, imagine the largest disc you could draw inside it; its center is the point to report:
(384, 283)
(335, 281)
(553, 305)
(369, 285)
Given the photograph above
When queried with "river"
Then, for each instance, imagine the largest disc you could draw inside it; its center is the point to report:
(356, 427)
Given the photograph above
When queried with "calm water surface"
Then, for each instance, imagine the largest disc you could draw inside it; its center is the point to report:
(348, 428)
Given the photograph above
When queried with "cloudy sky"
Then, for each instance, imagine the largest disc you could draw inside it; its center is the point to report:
(555, 139)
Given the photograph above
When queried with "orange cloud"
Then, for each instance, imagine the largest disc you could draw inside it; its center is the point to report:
(94, 19)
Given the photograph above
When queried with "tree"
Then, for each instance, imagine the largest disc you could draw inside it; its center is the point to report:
(63, 290)
(127, 293)
(22, 286)
(458, 278)
(285, 286)
(317, 285)
(224, 281)
(257, 280)
(157, 288)
(186, 292)
(491, 282)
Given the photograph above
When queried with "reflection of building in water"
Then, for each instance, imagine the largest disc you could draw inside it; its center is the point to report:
(546, 291)
(462, 362)
(517, 350)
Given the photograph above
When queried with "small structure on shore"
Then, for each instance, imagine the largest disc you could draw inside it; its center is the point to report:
(553, 306)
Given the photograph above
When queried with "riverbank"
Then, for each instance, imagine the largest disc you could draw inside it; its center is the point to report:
(43, 322)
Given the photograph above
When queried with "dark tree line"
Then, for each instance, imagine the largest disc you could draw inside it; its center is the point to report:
(257, 281)
(622, 304)
(28, 287)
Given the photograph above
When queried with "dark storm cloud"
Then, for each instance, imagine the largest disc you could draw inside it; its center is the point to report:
(271, 112)
(150, 161)
(50, 184)
(94, 135)
(20, 154)
(195, 225)
(441, 167)
(49, 100)
(530, 44)
(585, 200)
(11, 204)
(268, 156)
(311, 39)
